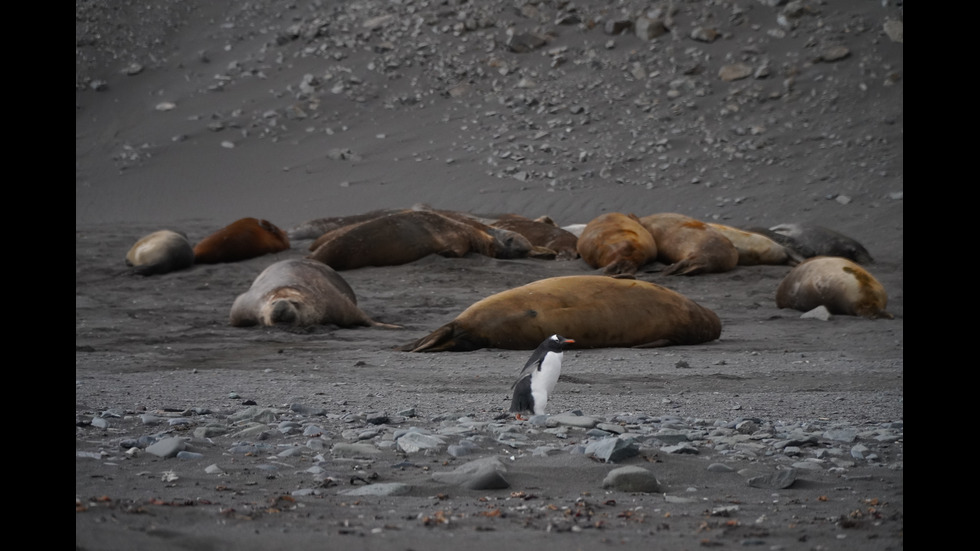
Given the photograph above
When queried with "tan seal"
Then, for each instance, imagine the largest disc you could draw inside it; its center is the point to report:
(242, 239)
(299, 292)
(617, 243)
(599, 311)
(756, 249)
(406, 236)
(689, 246)
(160, 252)
(837, 283)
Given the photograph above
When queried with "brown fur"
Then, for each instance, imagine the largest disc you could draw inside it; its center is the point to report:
(409, 235)
(617, 243)
(542, 234)
(299, 292)
(689, 246)
(756, 249)
(597, 311)
(160, 252)
(313, 229)
(839, 284)
(241, 240)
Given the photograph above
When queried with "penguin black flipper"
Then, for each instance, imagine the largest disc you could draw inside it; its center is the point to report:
(534, 360)
(522, 400)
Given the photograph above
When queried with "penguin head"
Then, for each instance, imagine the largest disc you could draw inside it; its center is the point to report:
(557, 343)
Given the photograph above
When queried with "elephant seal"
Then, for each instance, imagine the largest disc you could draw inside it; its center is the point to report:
(160, 252)
(409, 235)
(617, 243)
(299, 292)
(756, 249)
(540, 233)
(600, 311)
(689, 246)
(313, 229)
(241, 240)
(813, 240)
(839, 284)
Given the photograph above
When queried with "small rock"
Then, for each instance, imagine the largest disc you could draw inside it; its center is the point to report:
(631, 479)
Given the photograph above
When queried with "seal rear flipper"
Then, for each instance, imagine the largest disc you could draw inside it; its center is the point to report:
(436, 341)
(683, 267)
(622, 266)
(448, 338)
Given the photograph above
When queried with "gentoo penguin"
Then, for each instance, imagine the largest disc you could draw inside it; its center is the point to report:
(531, 390)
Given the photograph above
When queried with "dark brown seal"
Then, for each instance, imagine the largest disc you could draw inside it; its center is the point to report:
(406, 236)
(617, 243)
(313, 229)
(689, 246)
(837, 283)
(540, 233)
(160, 252)
(599, 311)
(299, 292)
(813, 240)
(242, 239)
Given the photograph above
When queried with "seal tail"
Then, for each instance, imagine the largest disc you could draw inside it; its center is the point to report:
(448, 338)
(436, 341)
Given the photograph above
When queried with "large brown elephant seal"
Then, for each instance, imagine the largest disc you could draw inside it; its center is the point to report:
(406, 236)
(689, 246)
(617, 243)
(160, 252)
(839, 284)
(756, 249)
(542, 233)
(312, 229)
(242, 239)
(299, 292)
(596, 310)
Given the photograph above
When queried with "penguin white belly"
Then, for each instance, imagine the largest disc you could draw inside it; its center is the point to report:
(543, 382)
